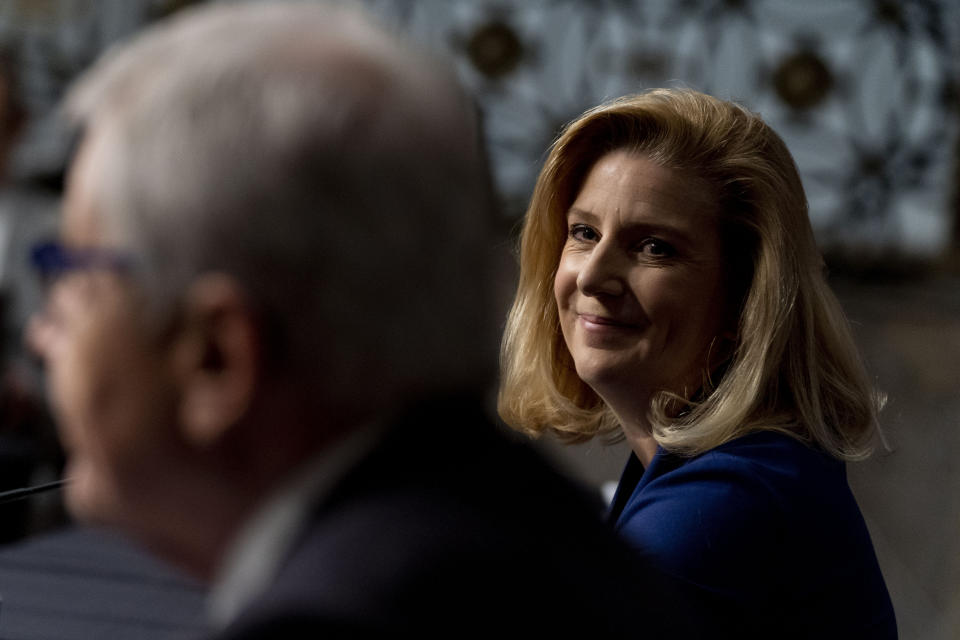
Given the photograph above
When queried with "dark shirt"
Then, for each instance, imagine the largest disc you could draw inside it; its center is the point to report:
(766, 532)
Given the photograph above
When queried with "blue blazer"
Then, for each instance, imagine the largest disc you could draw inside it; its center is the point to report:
(765, 530)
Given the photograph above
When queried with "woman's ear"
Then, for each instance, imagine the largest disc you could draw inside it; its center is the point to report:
(217, 360)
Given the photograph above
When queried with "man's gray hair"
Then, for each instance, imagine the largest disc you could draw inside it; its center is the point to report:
(334, 170)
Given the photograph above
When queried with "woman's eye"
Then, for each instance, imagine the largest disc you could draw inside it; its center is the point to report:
(656, 248)
(583, 233)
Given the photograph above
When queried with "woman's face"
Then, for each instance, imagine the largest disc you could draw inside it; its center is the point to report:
(639, 286)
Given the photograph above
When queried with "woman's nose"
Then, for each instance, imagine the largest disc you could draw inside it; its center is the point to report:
(602, 273)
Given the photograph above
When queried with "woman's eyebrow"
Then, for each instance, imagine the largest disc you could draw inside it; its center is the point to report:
(583, 214)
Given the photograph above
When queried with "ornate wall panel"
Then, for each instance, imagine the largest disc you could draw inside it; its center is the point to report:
(865, 92)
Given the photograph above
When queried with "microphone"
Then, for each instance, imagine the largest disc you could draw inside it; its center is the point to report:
(19, 494)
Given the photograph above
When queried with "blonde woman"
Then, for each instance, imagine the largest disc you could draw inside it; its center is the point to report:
(671, 291)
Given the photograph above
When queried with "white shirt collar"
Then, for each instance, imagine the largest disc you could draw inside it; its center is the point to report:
(257, 551)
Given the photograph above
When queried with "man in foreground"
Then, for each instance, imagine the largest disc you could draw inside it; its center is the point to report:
(267, 331)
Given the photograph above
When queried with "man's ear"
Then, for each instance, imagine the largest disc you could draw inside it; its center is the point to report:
(216, 355)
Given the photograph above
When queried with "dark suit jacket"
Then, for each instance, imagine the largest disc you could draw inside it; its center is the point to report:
(450, 528)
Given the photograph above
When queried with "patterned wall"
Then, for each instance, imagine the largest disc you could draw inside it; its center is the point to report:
(865, 92)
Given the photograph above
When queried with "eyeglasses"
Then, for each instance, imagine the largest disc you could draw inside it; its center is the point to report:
(52, 259)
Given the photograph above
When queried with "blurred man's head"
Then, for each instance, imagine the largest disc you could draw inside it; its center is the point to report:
(274, 230)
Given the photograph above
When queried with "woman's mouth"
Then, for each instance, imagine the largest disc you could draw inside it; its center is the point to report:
(591, 321)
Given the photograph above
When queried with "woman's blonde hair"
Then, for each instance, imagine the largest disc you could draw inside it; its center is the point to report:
(793, 365)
